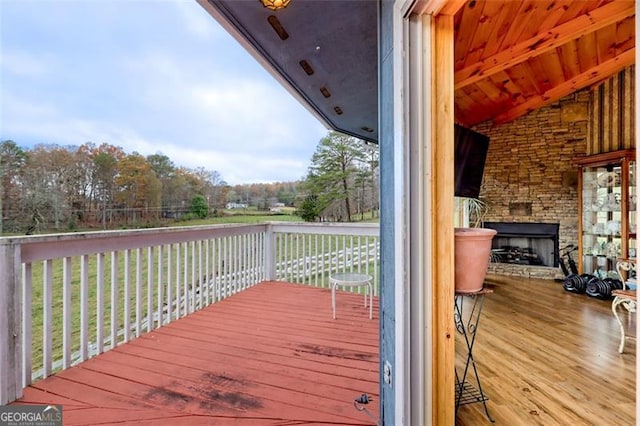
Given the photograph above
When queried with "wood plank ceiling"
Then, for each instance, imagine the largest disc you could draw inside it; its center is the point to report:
(512, 57)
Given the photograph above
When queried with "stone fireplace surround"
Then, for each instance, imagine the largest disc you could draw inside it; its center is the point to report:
(531, 176)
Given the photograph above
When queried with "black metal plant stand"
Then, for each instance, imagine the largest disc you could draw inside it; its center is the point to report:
(466, 392)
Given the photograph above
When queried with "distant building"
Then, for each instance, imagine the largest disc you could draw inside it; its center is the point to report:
(231, 206)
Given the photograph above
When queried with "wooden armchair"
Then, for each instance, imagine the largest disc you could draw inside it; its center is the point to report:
(627, 297)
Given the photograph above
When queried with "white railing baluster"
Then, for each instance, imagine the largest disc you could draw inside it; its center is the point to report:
(192, 303)
(160, 288)
(244, 255)
(84, 307)
(284, 256)
(138, 292)
(47, 318)
(314, 262)
(215, 260)
(235, 264)
(178, 282)
(127, 296)
(185, 280)
(169, 283)
(66, 312)
(207, 270)
(100, 303)
(261, 258)
(304, 258)
(225, 265)
(330, 238)
(200, 277)
(27, 315)
(115, 326)
(149, 316)
(322, 262)
(344, 253)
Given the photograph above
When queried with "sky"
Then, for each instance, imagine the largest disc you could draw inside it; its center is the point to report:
(150, 76)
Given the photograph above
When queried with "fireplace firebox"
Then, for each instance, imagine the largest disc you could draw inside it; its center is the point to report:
(525, 243)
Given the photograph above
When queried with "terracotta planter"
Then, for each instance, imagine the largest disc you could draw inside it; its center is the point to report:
(472, 253)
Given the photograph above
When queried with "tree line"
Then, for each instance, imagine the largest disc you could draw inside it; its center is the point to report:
(56, 188)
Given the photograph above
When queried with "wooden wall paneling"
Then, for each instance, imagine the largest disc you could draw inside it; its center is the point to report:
(611, 117)
(629, 108)
(607, 144)
(615, 133)
(595, 145)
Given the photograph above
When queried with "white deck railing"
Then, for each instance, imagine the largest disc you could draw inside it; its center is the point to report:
(65, 298)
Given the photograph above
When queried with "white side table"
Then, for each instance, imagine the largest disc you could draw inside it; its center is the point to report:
(352, 279)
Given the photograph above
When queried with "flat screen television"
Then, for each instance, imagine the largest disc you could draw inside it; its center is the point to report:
(470, 155)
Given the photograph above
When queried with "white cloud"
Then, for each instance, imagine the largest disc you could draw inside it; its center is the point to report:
(24, 63)
(193, 95)
(197, 20)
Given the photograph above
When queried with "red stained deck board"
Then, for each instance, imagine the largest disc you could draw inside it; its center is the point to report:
(269, 354)
(331, 352)
(302, 358)
(231, 376)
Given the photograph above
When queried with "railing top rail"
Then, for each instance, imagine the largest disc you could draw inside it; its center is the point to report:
(50, 246)
(328, 228)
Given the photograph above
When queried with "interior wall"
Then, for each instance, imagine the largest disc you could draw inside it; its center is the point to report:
(530, 174)
(611, 116)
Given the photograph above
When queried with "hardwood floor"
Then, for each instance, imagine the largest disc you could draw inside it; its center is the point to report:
(546, 356)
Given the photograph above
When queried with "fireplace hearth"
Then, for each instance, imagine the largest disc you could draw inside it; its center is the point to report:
(525, 243)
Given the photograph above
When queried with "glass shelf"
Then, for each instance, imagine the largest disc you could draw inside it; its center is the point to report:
(607, 214)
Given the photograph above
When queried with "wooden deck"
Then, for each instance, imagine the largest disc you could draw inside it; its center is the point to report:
(273, 355)
(269, 355)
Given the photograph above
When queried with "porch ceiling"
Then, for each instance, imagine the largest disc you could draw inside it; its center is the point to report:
(511, 57)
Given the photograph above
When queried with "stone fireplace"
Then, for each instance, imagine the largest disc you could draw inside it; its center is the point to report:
(533, 244)
(531, 177)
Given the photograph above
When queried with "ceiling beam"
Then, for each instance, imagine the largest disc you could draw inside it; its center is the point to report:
(584, 24)
(593, 75)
